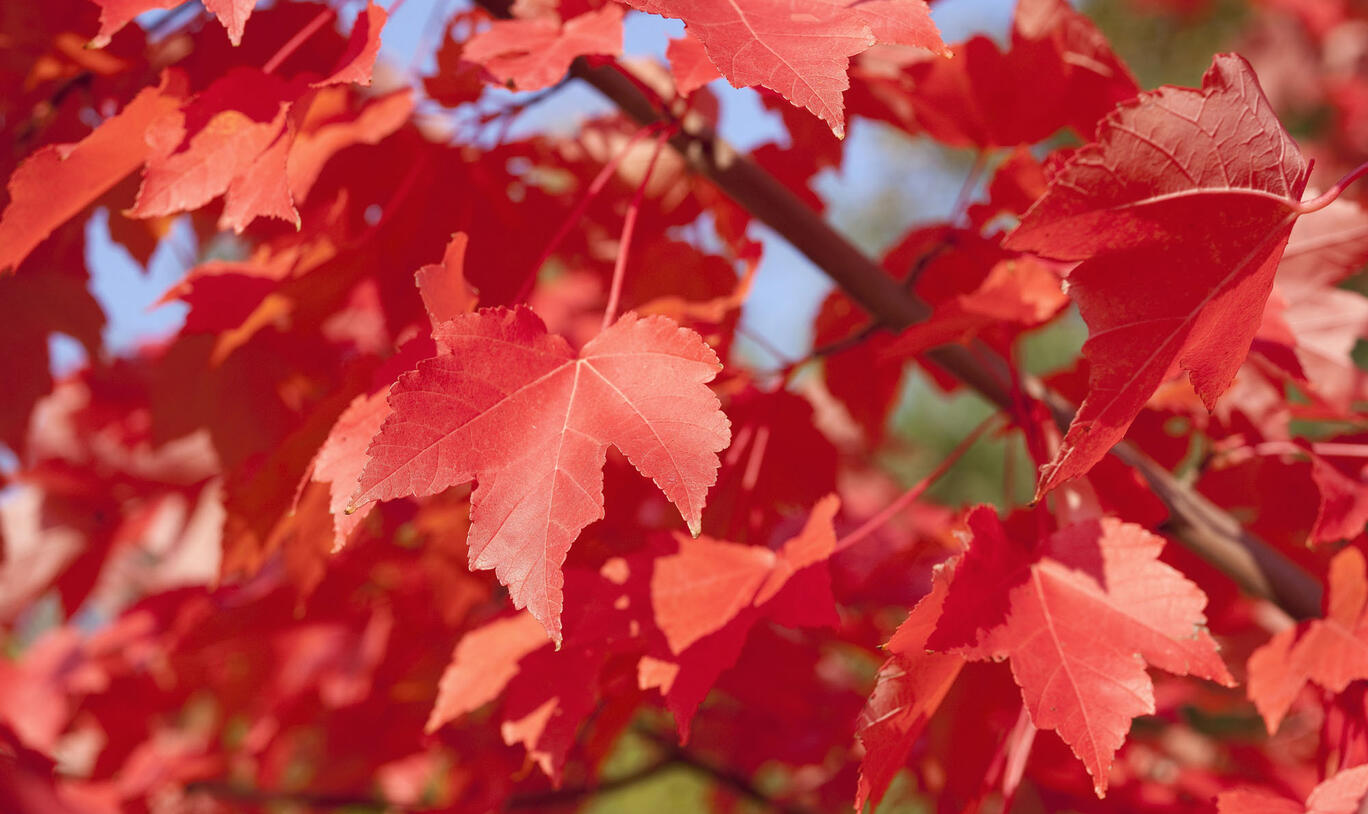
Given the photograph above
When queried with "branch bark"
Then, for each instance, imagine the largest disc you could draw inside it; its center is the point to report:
(1202, 526)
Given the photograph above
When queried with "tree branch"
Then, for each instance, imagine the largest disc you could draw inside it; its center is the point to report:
(333, 800)
(1202, 526)
(320, 800)
(737, 782)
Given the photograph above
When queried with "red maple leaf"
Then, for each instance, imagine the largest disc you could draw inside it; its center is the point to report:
(689, 64)
(1060, 71)
(1078, 620)
(1179, 214)
(115, 14)
(484, 661)
(230, 140)
(516, 409)
(709, 583)
(1342, 794)
(1330, 652)
(1310, 314)
(61, 180)
(801, 49)
(357, 62)
(708, 596)
(535, 53)
(909, 689)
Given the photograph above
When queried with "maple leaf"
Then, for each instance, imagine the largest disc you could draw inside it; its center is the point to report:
(800, 49)
(1059, 72)
(1319, 321)
(484, 661)
(230, 140)
(1341, 794)
(59, 181)
(1343, 511)
(1078, 624)
(908, 690)
(259, 141)
(534, 54)
(342, 457)
(689, 64)
(1330, 652)
(708, 596)
(358, 61)
(514, 408)
(326, 130)
(446, 294)
(708, 583)
(457, 80)
(1021, 291)
(233, 14)
(546, 692)
(115, 14)
(1179, 214)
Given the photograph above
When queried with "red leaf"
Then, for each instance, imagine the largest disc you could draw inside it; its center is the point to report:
(457, 80)
(446, 294)
(1323, 321)
(1060, 72)
(800, 49)
(59, 181)
(535, 54)
(484, 661)
(708, 597)
(233, 14)
(1022, 292)
(516, 409)
(343, 456)
(1330, 652)
(1080, 624)
(703, 588)
(358, 61)
(1343, 510)
(909, 689)
(115, 14)
(689, 64)
(1342, 794)
(319, 141)
(216, 146)
(1179, 215)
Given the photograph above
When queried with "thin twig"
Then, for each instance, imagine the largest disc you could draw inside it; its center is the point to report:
(919, 488)
(628, 227)
(736, 781)
(570, 794)
(303, 34)
(591, 192)
(311, 799)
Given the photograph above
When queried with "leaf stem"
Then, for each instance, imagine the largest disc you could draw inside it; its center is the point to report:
(967, 188)
(629, 226)
(1332, 194)
(918, 489)
(298, 39)
(595, 187)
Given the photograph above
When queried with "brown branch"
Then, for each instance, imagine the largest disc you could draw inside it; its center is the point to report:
(739, 783)
(1203, 527)
(324, 800)
(352, 800)
(571, 794)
